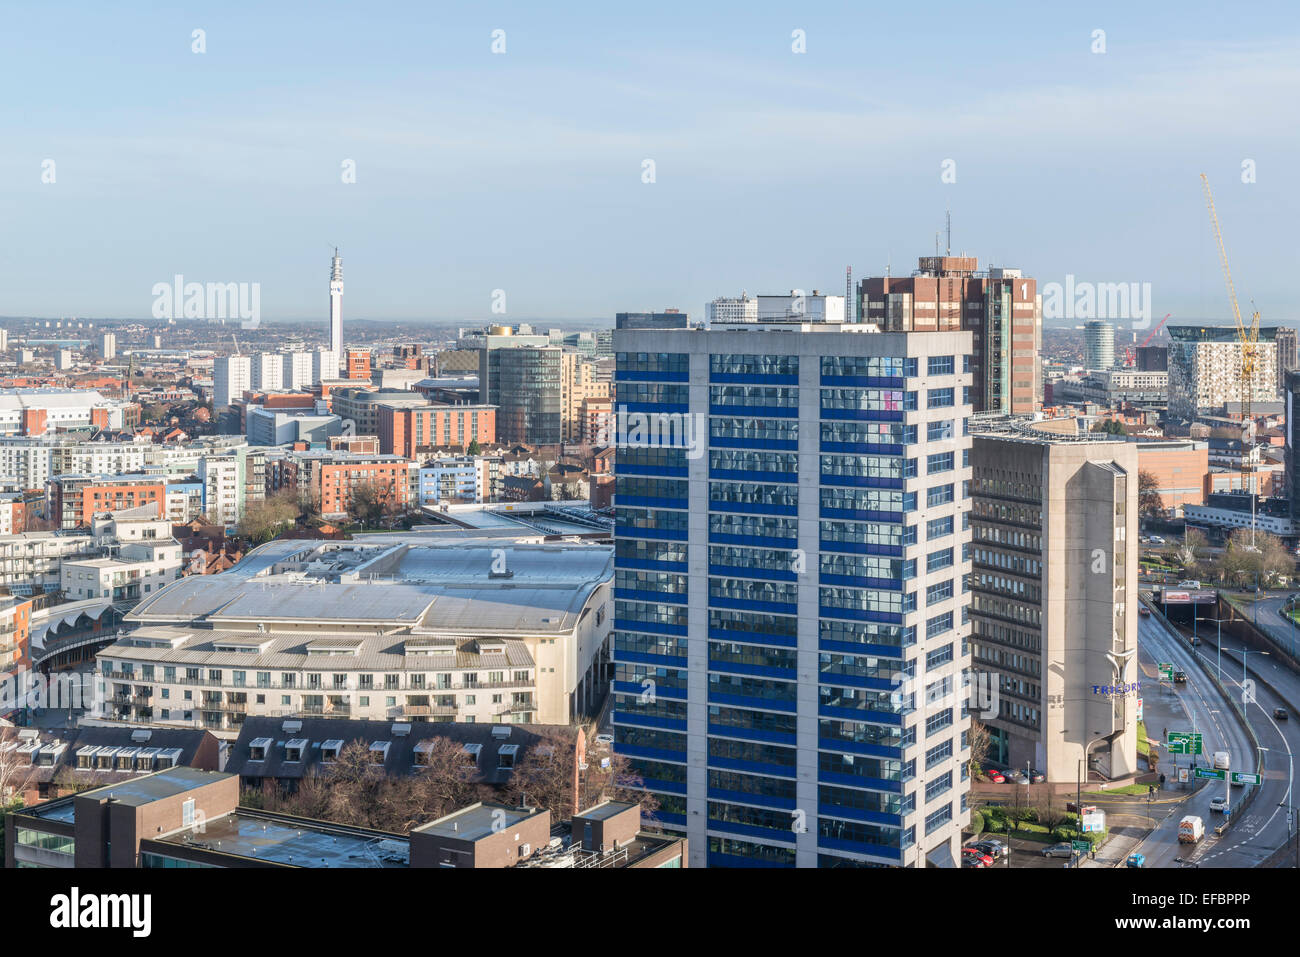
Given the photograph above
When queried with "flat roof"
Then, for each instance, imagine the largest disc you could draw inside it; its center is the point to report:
(153, 787)
(477, 821)
(301, 843)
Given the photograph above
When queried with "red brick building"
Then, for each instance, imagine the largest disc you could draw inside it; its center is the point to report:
(405, 430)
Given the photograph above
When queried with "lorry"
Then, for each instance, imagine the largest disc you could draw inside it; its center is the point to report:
(1221, 759)
(1190, 829)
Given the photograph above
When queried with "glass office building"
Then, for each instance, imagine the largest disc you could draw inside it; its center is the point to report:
(791, 606)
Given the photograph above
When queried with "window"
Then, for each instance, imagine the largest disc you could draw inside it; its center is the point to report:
(939, 462)
(939, 495)
(940, 430)
(939, 398)
(938, 625)
(187, 813)
(938, 819)
(939, 656)
(938, 527)
(942, 558)
(940, 365)
(939, 592)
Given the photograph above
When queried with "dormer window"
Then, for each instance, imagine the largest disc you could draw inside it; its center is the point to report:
(329, 750)
(506, 757)
(293, 750)
(257, 749)
(379, 751)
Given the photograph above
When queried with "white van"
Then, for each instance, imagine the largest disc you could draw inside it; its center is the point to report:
(1221, 759)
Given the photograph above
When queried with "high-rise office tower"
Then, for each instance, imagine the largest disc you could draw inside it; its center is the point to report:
(999, 306)
(527, 385)
(108, 345)
(1098, 344)
(790, 611)
(1054, 597)
(232, 376)
(324, 365)
(336, 305)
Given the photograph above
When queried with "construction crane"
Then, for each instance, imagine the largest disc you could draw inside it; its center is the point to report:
(1147, 341)
(1248, 337)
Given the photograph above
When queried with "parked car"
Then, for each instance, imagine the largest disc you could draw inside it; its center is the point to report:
(971, 852)
(1036, 776)
(1015, 776)
(1065, 849)
(993, 848)
(996, 776)
(1219, 805)
(969, 861)
(1156, 540)
(1280, 714)
(604, 739)
(1136, 860)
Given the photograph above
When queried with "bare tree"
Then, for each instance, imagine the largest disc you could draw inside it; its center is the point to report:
(262, 520)
(16, 771)
(978, 738)
(1150, 504)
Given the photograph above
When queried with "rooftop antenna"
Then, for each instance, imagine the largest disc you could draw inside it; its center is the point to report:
(949, 237)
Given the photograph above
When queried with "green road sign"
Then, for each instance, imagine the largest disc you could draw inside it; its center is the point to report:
(1166, 671)
(1217, 773)
(1083, 846)
(1243, 777)
(1184, 742)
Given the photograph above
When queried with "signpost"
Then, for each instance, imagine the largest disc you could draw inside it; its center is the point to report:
(1166, 671)
(1082, 846)
(1219, 774)
(1245, 777)
(1185, 742)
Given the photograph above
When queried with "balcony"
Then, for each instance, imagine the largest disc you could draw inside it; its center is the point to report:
(424, 711)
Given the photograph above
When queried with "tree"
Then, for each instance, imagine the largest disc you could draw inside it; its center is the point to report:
(1050, 814)
(474, 447)
(978, 738)
(544, 778)
(1111, 426)
(1150, 504)
(1265, 561)
(367, 503)
(262, 520)
(16, 771)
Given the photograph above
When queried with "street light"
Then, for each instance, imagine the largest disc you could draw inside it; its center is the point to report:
(1219, 640)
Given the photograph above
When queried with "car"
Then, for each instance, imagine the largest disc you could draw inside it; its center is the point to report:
(604, 739)
(996, 776)
(1144, 611)
(1196, 641)
(1189, 583)
(993, 848)
(1136, 860)
(1180, 677)
(1015, 776)
(1156, 540)
(1280, 714)
(971, 853)
(1037, 776)
(1220, 806)
(968, 861)
(1065, 849)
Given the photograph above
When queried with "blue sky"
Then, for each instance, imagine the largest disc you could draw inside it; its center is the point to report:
(523, 171)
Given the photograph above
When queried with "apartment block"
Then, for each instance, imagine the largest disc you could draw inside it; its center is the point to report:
(791, 553)
(1205, 369)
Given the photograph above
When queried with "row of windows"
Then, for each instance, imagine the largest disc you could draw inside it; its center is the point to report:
(665, 583)
(751, 526)
(891, 366)
(868, 400)
(739, 460)
(723, 428)
(758, 624)
(652, 392)
(740, 364)
(647, 550)
(866, 633)
(869, 433)
(646, 487)
(722, 494)
(780, 397)
(629, 363)
(730, 652)
(861, 566)
(862, 533)
(759, 559)
(741, 589)
(862, 466)
(652, 519)
(650, 612)
(630, 457)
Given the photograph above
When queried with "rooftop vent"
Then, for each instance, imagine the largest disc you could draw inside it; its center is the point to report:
(401, 730)
(144, 734)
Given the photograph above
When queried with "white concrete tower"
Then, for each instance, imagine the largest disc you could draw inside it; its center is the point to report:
(336, 304)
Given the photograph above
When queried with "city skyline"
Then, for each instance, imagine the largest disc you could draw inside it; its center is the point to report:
(478, 172)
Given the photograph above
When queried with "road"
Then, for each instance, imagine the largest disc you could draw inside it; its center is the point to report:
(1264, 826)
